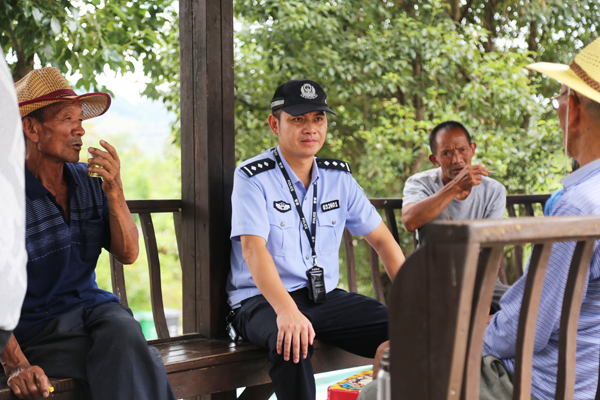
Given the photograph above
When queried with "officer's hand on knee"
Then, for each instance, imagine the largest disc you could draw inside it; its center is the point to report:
(29, 382)
(296, 333)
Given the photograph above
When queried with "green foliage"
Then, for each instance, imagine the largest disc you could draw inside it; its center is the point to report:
(392, 75)
(84, 37)
(392, 70)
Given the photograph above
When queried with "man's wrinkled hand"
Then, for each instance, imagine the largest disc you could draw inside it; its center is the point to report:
(467, 178)
(111, 168)
(29, 382)
(378, 357)
(295, 334)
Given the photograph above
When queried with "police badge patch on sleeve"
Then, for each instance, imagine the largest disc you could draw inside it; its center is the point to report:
(330, 205)
(282, 206)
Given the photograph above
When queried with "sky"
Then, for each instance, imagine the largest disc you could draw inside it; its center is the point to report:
(145, 121)
(127, 86)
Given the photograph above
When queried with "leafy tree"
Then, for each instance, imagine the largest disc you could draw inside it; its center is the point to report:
(86, 36)
(392, 70)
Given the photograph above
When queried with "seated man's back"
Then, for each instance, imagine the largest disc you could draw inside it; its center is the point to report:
(578, 108)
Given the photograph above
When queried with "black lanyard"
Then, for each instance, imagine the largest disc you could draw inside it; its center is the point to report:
(311, 238)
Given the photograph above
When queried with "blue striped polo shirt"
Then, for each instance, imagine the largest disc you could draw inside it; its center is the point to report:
(581, 197)
(63, 255)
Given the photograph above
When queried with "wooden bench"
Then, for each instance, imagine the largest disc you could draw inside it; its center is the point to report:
(198, 366)
(441, 296)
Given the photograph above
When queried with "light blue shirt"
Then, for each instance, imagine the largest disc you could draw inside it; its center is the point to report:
(581, 197)
(554, 198)
(262, 205)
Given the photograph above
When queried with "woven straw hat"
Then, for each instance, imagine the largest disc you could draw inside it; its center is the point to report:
(583, 75)
(45, 86)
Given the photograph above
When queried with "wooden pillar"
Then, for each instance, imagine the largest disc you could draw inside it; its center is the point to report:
(207, 160)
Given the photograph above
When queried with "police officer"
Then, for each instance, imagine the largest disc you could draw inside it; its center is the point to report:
(289, 213)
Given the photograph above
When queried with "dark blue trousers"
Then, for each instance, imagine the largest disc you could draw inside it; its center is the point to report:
(350, 321)
(4, 336)
(103, 348)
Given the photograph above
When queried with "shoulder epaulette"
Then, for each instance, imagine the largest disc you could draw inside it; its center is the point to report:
(256, 167)
(330, 163)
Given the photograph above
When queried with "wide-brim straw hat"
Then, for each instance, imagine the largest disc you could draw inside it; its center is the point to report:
(583, 75)
(45, 86)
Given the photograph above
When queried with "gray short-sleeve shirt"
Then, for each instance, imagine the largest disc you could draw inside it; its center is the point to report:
(486, 200)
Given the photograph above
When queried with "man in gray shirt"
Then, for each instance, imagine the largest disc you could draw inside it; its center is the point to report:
(455, 190)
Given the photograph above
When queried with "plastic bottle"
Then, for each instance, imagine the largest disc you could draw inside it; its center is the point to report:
(384, 391)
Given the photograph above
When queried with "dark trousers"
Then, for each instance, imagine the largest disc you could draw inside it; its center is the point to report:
(103, 348)
(4, 336)
(350, 321)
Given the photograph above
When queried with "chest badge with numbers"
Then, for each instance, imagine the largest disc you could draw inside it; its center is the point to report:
(282, 206)
(330, 205)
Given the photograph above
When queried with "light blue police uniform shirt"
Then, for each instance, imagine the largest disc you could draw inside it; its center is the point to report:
(581, 197)
(262, 205)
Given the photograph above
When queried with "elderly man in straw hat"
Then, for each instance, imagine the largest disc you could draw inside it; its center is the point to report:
(578, 107)
(68, 326)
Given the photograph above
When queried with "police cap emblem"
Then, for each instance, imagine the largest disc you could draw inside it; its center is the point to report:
(308, 91)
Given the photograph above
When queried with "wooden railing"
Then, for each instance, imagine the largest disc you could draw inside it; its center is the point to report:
(517, 205)
(521, 205)
(390, 207)
(441, 297)
(144, 209)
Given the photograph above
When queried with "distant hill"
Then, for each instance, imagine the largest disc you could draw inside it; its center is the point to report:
(147, 123)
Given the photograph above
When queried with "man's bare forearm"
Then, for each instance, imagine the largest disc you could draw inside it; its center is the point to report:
(415, 215)
(12, 357)
(26, 381)
(124, 242)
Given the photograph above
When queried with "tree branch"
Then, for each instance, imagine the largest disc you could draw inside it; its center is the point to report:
(23, 65)
(455, 10)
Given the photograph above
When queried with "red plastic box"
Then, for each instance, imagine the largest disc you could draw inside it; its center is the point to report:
(349, 388)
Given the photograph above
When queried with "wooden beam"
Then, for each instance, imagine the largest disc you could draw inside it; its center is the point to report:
(207, 160)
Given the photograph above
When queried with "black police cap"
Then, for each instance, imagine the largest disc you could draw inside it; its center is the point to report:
(300, 96)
